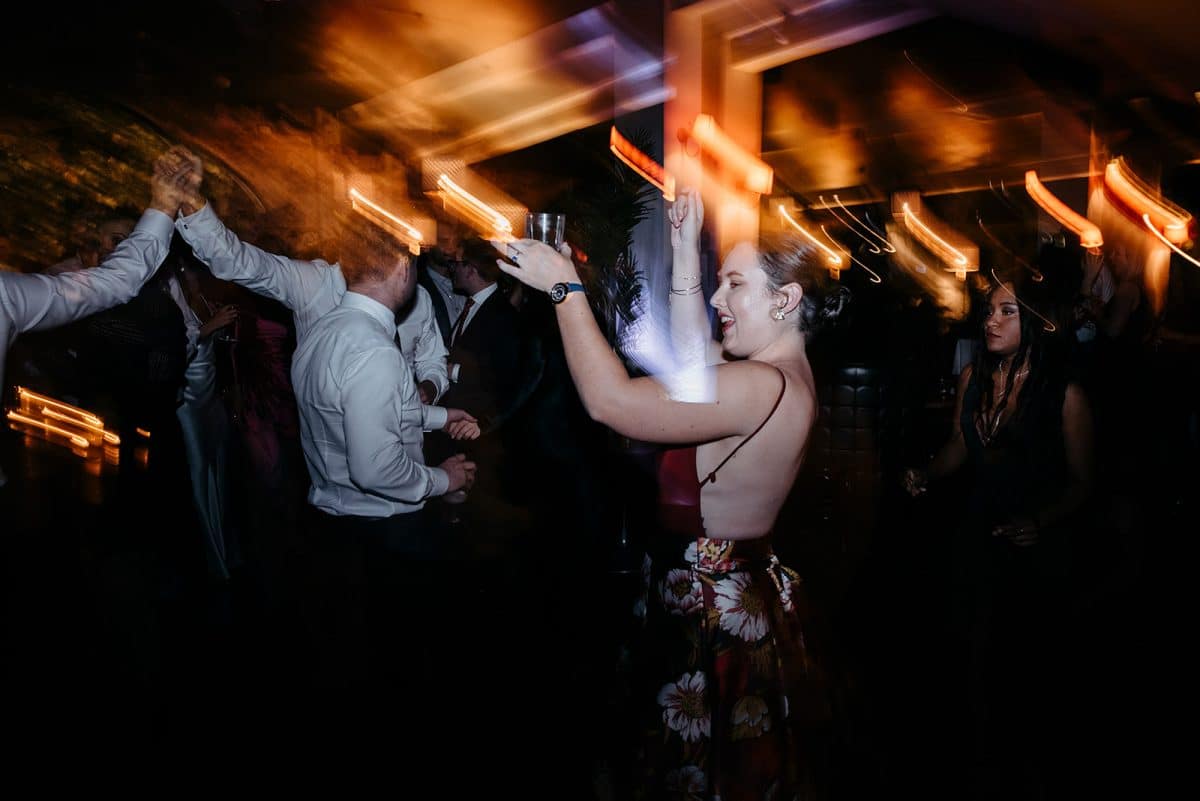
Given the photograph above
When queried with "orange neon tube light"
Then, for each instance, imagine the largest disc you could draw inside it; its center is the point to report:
(875, 279)
(465, 198)
(1088, 232)
(642, 164)
(834, 259)
(756, 174)
(958, 261)
(76, 439)
(1165, 241)
(29, 398)
(1137, 195)
(358, 202)
(108, 436)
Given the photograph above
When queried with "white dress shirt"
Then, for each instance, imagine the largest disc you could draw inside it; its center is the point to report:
(200, 378)
(445, 287)
(32, 302)
(360, 418)
(310, 289)
(421, 342)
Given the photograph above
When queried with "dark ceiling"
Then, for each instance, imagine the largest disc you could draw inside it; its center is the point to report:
(976, 94)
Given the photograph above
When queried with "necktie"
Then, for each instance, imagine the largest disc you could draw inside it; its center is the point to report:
(461, 322)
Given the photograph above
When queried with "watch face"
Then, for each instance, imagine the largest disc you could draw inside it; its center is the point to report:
(558, 292)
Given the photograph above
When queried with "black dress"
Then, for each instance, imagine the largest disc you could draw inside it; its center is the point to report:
(1009, 601)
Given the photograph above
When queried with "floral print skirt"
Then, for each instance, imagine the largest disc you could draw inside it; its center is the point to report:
(734, 697)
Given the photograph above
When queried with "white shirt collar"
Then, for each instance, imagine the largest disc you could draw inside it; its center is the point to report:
(385, 316)
(483, 294)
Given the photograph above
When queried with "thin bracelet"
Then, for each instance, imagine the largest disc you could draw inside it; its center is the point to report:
(689, 291)
(686, 277)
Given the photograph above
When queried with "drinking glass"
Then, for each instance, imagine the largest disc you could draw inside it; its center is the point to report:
(546, 227)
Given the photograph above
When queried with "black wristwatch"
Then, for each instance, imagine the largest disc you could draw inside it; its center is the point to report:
(558, 293)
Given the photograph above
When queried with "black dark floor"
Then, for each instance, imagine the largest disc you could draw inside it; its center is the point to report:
(114, 633)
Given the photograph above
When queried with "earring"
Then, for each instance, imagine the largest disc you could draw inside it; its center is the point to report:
(778, 314)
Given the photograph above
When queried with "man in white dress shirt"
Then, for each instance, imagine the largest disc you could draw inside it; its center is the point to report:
(361, 427)
(361, 430)
(30, 302)
(360, 417)
(310, 289)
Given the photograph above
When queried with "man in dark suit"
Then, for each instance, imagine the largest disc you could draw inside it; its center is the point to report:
(491, 363)
(433, 273)
(486, 547)
(494, 366)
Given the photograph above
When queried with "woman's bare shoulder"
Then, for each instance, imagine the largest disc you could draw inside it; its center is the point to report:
(761, 384)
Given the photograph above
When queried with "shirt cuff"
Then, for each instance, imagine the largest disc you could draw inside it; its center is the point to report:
(156, 223)
(205, 216)
(435, 417)
(439, 482)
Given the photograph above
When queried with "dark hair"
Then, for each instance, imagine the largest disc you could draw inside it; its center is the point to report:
(365, 251)
(121, 212)
(1034, 351)
(482, 256)
(787, 259)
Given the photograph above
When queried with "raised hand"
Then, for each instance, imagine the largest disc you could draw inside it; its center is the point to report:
(537, 264)
(686, 216)
(179, 157)
(170, 184)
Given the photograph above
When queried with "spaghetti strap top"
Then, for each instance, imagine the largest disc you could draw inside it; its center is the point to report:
(678, 487)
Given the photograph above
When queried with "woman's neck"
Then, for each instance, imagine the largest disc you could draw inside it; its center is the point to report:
(1007, 363)
(787, 347)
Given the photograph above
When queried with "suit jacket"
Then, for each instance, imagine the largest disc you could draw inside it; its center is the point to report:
(499, 364)
(439, 305)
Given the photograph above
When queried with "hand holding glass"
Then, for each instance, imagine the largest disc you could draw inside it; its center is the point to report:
(546, 227)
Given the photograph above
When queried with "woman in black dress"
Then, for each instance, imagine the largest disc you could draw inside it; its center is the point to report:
(1024, 431)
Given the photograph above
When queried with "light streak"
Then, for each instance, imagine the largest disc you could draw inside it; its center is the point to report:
(1088, 232)
(960, 265)
(888, 247)
(49, 428)
(475, 209)
(1137, 195)
(378, 214)
(1165, 241)
(875, 279)
(109, 437)
(1046, 324)
(1037, 274)
(29, 399)
(642, 164)
(834, 259)
(756, 174)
